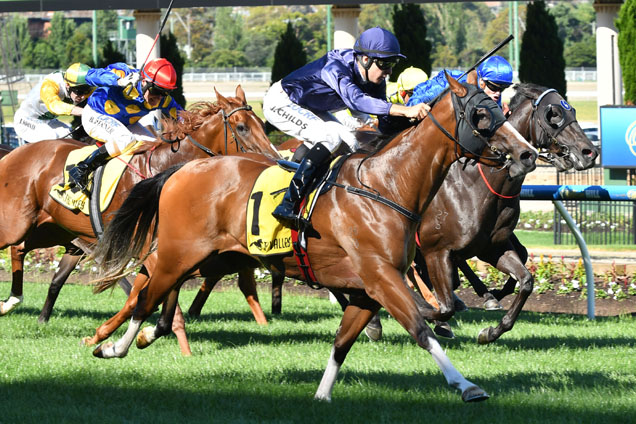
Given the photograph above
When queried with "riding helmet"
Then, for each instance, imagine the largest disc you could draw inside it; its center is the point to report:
(378, 42)
(495, 69)
(76, 74)
(161, 73)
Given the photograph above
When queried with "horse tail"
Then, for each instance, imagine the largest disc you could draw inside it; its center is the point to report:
(127, 232)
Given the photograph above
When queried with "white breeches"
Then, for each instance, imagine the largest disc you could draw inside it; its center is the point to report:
(296, 121)
(116, 136)
(32, 130)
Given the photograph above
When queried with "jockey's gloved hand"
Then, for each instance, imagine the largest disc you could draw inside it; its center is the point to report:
(130, 79)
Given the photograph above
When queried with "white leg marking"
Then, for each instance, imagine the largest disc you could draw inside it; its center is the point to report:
(10, 304)
(328, 379)
(453, 377)
(119, 349)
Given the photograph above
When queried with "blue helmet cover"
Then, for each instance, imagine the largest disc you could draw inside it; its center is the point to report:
(378, 42)
(495, 69)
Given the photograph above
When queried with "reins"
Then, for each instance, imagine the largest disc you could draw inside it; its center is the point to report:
(492, 190)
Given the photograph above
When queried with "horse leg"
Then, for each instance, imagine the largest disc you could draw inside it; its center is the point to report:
(67, 265)
(440, 270)
(107, 328)
(277, 291)
(202, 296)
(356, 316)
(510, 263)
(247, 284)
(490, 302)
(16, 297)
(511, 283)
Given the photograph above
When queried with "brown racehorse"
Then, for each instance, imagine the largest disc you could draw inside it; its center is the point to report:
(364, 246)
(29, 215)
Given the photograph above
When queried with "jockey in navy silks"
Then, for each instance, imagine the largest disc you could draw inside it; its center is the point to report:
(493, 76)
(302, 103)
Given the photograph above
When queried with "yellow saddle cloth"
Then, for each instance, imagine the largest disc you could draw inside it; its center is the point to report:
(74, 198)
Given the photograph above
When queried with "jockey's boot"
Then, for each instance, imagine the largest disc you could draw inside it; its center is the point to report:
(301, 180)
(78, 175)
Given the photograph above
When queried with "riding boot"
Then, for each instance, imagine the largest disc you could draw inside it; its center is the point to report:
(78, 175)
(301, 180)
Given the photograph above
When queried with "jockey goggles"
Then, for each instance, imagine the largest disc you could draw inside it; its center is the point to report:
(387, 63)
(80, 90)
(155, 90)
(496, 87)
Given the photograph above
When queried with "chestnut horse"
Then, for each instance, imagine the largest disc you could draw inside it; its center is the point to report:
(29, 216)
(364, 247)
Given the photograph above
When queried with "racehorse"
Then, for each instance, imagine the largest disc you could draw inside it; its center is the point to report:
(476, 211)
(364, 247)
(29, 215)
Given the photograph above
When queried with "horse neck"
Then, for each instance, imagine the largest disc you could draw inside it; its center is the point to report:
(167, 155)
(413, 166)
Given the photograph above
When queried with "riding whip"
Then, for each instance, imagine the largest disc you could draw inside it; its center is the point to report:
(163, 23)
(487, 55)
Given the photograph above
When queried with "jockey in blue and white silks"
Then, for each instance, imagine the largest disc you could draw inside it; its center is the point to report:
(302, 103)
(493, 76)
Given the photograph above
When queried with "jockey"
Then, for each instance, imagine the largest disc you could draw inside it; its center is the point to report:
(59, 93)
(493, 76)
(401, 90)
(301, 104)
(123, 97)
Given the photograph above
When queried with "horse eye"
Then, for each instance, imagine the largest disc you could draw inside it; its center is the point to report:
(242, 128)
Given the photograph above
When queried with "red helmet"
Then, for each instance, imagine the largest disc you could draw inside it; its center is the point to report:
(161, 73)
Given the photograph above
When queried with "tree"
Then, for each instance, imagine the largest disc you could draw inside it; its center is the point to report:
(541, 55)
(289, 54)
(170, 50)
(409, 27)
(61, 32)
(626, 24)
(110, 55)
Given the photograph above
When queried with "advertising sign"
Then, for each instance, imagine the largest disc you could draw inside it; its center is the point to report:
(618, 136)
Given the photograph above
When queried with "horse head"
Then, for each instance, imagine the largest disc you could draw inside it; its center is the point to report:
(482, 132)
(228, 126)
(551, 125)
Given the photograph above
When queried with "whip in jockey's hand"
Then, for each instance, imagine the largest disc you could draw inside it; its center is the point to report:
(130, 79)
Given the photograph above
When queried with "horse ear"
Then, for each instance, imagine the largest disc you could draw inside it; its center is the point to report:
(219, 97)
(240, 94)
(455, 86)
(471, 78)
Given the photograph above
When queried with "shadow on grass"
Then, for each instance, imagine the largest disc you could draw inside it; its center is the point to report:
(208, 397)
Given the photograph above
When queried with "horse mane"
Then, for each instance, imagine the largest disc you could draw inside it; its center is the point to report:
(189, 120)
(524, 91)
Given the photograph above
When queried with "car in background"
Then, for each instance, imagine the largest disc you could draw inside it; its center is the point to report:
(8, 137)
(592, 133)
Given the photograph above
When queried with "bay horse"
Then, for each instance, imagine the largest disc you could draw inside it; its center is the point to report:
(364, 247)
(29, 217)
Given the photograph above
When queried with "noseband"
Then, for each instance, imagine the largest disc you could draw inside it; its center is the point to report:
(467, 136)
(550, 100)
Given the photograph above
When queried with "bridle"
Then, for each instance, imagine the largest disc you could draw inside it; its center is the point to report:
(543, 130)
(226, 124)
(469, 138)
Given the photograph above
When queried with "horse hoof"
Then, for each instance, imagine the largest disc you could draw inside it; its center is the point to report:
(474, 394)
(484, 336)
(10, 304)
(99, 350)
(322, 397)
(492, 305)
(459, 304)
(145, 337)
(443, 329)
(373, 333)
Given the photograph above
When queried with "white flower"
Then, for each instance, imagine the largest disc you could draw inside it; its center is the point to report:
(575, 284)
(612, 283)
(526, 225)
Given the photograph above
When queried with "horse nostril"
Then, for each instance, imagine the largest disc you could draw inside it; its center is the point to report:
(528, 156)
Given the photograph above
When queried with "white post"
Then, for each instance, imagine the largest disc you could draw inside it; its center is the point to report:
(609, 83)
(148, 22)
(345, 25)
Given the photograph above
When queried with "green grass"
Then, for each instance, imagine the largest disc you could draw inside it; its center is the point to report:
(586, 110)
(538, 239)
(550, 368)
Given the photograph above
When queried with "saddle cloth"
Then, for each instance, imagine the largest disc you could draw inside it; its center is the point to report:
(265, 234)
(73, 198)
